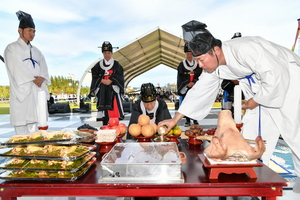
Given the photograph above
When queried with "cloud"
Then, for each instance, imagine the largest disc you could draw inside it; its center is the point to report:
(69, 32)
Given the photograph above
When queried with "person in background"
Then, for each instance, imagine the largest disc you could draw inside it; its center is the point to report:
(156, 108)
(28, 73)
(50, 101)
(269, 78)
(188, 72)
(108, 86)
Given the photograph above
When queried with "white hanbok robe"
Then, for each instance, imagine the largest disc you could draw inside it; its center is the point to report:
(21, 72)
(276, 73)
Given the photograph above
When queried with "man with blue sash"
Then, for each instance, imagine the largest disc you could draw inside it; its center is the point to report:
(269, 78)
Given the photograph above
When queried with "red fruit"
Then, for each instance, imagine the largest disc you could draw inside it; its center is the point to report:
(122, 128)
(113, 121)
(105, 127)
(118, 130)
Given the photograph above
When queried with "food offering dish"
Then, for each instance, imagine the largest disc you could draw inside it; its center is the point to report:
(193, 140)
(142, 138)
(47, 175)
(192, 133)
(46, 165)
(44, 137)
(105, 147)
(87, 128)
(106, 139)
(210, 131)
(49, 152)
(173, 138)
(119, 138)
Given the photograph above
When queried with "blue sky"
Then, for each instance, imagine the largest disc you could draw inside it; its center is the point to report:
(70, 31)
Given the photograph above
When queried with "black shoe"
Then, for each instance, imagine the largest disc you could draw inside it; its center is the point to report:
(187, 124)
(196, 122)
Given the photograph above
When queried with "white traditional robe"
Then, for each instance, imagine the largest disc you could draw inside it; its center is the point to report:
(277, 81)
(21, 72)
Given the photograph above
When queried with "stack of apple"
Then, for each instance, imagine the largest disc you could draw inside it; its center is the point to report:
(175, 131)
(115, 124)
(143, 128)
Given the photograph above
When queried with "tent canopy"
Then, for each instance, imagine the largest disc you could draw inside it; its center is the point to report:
(155, 48)
(145, 53)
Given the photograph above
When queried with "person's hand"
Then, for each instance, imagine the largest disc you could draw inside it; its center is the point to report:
(38, 80)
(250, 104)
(191, 84)
(170, 123)
(106, 81)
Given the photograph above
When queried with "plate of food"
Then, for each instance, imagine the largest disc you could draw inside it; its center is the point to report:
(49, 152)
(46, 165)
(47, 175)
(43, 137)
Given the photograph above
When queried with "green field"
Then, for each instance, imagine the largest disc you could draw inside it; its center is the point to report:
(4, 107)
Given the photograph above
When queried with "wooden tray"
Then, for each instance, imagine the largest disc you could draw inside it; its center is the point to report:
(215, 169)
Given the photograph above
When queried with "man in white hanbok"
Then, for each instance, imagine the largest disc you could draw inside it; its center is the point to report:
(269, 78)
(28, 73)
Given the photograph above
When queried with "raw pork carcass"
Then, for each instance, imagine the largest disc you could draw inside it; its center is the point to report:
(229, 144)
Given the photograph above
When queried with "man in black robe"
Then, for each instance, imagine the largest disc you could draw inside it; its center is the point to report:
(149, 104)
(188, 73)
(108, 86)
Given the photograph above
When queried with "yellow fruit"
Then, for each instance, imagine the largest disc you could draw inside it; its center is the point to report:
(170, 132)
(147, 131)
(134, 130)
(143, 120)
(176, 127)
(177, 131)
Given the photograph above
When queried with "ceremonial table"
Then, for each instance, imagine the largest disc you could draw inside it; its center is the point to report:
(268, 184)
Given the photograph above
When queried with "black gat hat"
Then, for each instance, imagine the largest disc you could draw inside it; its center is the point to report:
(148, 92)
(25, 19)
(106, 46)
(199, 39)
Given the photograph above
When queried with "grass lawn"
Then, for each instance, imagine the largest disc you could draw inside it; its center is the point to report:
(4, 107)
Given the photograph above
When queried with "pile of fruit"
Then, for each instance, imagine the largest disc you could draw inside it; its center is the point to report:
(195, 130)
(143, 128)
(210, 131)
(87, 128)
(175, 131)
(115, 124)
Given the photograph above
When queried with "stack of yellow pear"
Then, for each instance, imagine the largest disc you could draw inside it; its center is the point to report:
(143, 127)
(175, 131)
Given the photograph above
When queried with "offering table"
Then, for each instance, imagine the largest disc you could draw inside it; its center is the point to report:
(268, 184)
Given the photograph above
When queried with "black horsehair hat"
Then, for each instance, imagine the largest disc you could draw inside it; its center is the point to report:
(25, 19)
(199, 39)
(106, 46)
(148, 92)
(236, 35)
(186, 48)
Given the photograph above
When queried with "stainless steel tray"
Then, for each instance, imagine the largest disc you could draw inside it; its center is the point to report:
(47, 165)
(9, 152)
(47, 176)
(145, 162)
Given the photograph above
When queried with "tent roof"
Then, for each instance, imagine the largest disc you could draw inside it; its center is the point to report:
(145, 53)
(155, 48)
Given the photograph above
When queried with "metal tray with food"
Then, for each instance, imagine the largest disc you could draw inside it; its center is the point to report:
(46, 175)
(46, 165)
(49, 152)
(44, 137)
(144, 162)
